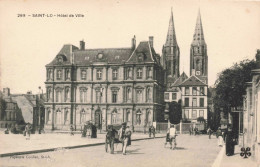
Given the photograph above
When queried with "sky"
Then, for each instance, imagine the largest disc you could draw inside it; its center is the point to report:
(27, 44)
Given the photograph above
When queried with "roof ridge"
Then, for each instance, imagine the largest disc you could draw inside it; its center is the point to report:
(102, 49)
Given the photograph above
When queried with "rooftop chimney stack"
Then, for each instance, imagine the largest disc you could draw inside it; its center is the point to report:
(133, 43)
(6, 91)
(82, 45)
(193, 72)
(151, 41)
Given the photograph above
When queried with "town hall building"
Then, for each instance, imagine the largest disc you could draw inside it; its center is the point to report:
(105, 86)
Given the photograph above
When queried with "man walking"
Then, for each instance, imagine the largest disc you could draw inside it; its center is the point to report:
(173, 136)
(209, 132)
(124, 135)
(153, 131)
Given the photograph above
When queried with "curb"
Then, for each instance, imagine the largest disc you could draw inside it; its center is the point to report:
(61, 148)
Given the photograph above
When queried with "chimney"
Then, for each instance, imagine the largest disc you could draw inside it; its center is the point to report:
(151, 41)
(72, 58)
(193, 72)
(82, 45)
(133, 43)
(6, 91)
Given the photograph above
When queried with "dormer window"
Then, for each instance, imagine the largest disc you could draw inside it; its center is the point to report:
(140, 57)
(100, 56)
(60, 59)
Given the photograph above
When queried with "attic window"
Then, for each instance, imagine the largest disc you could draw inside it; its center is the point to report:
(86, 58)
(117, 57)
(100, 56)
(60, 59)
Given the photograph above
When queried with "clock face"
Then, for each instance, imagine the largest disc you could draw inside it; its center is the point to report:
(197, 72)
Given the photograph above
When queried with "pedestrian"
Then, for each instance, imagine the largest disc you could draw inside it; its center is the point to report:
(84, 132)
(7, 131)
(209, 132)
(124, 135)
(191, 130)
(94, 131)
(220, 137)
(89, 130)
(172, 133)
(153, 131)
(71, 130)
(195, 131)
(230, 143)
(110, 137)
(150, 131)
(28, 129)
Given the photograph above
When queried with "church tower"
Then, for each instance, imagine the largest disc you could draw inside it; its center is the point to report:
(171, 54)
(198, 53)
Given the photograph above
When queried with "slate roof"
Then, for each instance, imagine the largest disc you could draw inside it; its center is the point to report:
(109, 55)
(26, 107)
(193, 81)
(181, 79)
(144, 48)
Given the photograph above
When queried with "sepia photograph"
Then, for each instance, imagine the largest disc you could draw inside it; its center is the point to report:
(130, 83)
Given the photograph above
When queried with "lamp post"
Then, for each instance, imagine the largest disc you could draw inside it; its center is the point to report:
(39, 109)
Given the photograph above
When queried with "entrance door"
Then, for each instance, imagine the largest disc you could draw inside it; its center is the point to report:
(98, 119)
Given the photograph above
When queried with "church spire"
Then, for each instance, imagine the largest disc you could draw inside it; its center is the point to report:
(171, 36)
(198, 37)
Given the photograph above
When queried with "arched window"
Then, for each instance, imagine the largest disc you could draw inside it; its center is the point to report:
(67, 95)
(48, 115)
(139, 96)
(128, 116)
(82, 116)
(49, 94)
(49, 73)
(128, 93)
(83, 95)
(58, 116)
(138, 117)
(66, 116)
(67, 74)
(114, 113)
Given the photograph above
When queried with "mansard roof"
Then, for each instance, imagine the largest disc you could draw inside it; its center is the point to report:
(144, 53)
(192, 81)
(70, 54)
(108, 55)
(66, 53)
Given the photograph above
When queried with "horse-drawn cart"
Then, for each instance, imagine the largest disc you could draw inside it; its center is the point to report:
(112, 137)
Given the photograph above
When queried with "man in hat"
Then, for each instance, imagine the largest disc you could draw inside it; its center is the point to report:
(123, 137)
(28, 129)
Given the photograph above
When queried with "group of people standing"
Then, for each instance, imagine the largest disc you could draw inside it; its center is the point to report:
(193, 131)
(227, 137)
(89, 130)
(152, 131)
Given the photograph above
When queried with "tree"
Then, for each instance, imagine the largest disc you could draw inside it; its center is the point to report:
(231, 85)
(175, 112)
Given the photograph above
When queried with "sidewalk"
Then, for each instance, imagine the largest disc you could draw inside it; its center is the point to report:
(16, 144)
(233, 161)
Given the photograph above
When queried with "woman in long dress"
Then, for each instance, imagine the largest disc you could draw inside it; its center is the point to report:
(220, 137)
(230, 146)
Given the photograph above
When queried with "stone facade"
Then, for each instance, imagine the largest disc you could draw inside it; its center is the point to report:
(105, 86)
(251, 113)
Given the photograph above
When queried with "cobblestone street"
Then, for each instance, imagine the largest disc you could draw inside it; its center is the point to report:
(195, 151)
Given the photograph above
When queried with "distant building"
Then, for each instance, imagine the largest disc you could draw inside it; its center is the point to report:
(192, 91)
(105, 86)
(20, 109)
